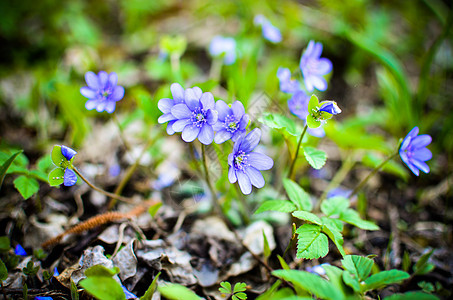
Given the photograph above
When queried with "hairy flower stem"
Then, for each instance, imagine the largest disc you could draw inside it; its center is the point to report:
(362, 183)
(108, 194)
(293, 164)
(208, 181)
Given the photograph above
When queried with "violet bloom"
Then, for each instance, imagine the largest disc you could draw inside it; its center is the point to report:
(330, 107)
(286, 84)
(245, 165)
(298, 104)
(102, 91)
(19, 250)
(313, 67)
(70, 178)
(225, 46)
(166, 104)
(413, 151)
(231, 122)
(270, 32)
(195, 116)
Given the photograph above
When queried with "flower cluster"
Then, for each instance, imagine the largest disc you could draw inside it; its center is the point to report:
(102, 91)
(198, 116)
(413, 151)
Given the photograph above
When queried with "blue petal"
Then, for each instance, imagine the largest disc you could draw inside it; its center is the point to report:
(223, 110)
(92, 80)
(423, 154)
(420, 165)
(330, 107)
(177, 92)
(19, 250)
(244, 182)
(179, 125)
(118, 93)
(260, 161)
(67, 152)
(255, 177)
(165, 105)
(190, 133)
(271, 33)
(232, 175)
(323, 66)
(100, 106)
(198, 92)
(70, 178)
(222, 136)
(170, 129)
(251, 140)
(206, 135)
(110, 106)
(88, 92)
(421, 141)
(128, 294)
(103, 78)
(207, 101)
(181, 111)
(165, 118)
(211, 116)
(191, 100)
(113, 79)
(238, 109)
(91, 104)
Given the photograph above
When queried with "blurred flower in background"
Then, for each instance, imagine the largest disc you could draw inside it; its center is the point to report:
(223, 46)
(313, 67)
(102, 91)
(287, 85)
(270, 32)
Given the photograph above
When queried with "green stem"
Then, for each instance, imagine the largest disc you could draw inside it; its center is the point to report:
(208, 181)
(108, 194)
(293, 164)
(362, 183)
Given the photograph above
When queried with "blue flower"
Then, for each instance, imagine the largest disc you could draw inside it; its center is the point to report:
(245, 165)
(43, 298)
(19, 250)
(62, 158)
(298, 104)
(413, 151)
(225, 46)
(165, 105)
(102, 91)
(318, 270)
(70, 178)
(195, 116)
(231, 121)
(270, 32)
(330, 107)
(128, 294)
(286, 84)
(313, 67)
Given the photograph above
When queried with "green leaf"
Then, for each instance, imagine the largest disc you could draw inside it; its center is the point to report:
(3, 271)
(267, 250)
(56, 177)
(422, 266)
(335, 236)
(74, 292)
(102, 287)
(335, 223)
(352, 217)
(225, 288)
(313, 103)
(240, 287)
(358, 265)
(352, 281)
(57, 156)
(175, 291)
(282, 123)
(101, 271)
(412, 296)
(310, 282)
(151, 289)
(307, 216)
(152, 210)
(297, 195)
(5, 166)
(316, 158)
(26, 186)
(276, 205)
(283, 263)
(383, 279)
(334, 206)
(311, 242)
(335, 277)
(241, 296)
(5, 244)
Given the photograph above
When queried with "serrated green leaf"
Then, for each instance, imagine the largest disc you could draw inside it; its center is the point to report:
(307, 216)
(175, 291)
(297, 195)
(335, 223)
(101, 271)
(5, 166)
(383, 279)
(276, 205)
(240, 287)
(335, 236)
(351, 281)
(103, 287)
(412, 296)
(358, 265)
(3, 271)
(311, 242)
(57, 156)
(352, 217)
(151, 289)
(315, 157)
(56, 177)
(334, 206)
(312, 283)
(26, 186)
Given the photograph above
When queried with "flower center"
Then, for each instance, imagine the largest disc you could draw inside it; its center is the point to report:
(230, 124)
(105, 93)
(240, 160)
(198, 117)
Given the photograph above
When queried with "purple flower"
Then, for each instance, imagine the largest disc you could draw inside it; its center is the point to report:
(318, 270)
(270, 32)
(231, 122)
(70, 178)
(43, 298)
(245, 165)
(330, 107)
(313, 67)
(195, 116)
(165, 105)
(67, 152)
(413, 151)
(286, 84)
(298, 104)
(128, 294)
(223, 46)
(19, 250)
(102, 91)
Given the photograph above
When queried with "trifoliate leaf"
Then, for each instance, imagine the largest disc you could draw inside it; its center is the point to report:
(26, 186)
(311, 242)
(358, 265)
(276, 205)
(315, 157)
(297, 195)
